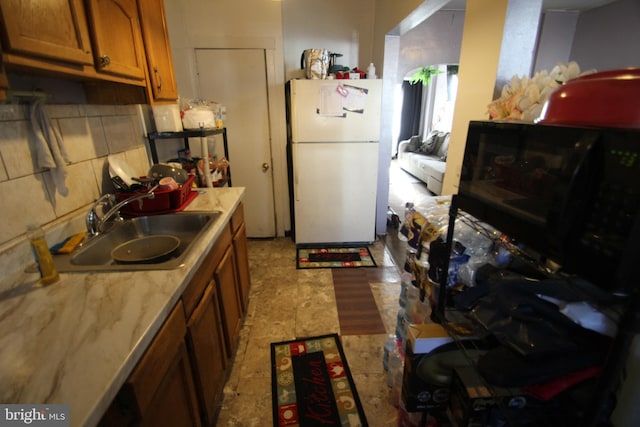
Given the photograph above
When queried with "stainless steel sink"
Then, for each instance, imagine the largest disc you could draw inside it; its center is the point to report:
(95, 255)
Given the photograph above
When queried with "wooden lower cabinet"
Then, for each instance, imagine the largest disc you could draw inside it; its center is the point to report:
(241, 252)
(160, 391)
(205, 339)
(174, 403)
(180, 378)
(4, 83)
(229, 296)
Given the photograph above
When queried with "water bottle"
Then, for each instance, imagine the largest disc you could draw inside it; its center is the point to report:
(371, 71)
(42, 255)
(389, 345)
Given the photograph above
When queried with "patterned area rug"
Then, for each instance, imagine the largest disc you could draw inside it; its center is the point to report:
(334, 257)
(312, 386)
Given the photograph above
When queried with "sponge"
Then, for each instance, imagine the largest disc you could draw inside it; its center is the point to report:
(68, 245)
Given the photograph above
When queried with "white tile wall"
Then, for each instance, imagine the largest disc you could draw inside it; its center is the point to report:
(16, 147)
(90, 134)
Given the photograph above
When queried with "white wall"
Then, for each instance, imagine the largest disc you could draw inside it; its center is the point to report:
(339, 26)
(437, 40)
(235, 25)
(556, 38)
(284, 29)
(608, 37)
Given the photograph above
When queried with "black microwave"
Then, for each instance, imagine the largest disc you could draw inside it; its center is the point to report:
(570, 193)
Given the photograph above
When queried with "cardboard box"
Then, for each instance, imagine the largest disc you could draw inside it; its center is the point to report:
(426, 379)
(426, 337)
(475, 402)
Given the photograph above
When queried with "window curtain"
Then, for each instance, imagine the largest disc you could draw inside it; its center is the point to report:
(411, 111)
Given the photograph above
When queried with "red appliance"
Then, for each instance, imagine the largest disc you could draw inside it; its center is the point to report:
(606, 99)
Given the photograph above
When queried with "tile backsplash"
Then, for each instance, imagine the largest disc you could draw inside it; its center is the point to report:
(90, 133)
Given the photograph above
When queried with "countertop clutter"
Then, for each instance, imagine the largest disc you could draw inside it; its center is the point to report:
(75, 342)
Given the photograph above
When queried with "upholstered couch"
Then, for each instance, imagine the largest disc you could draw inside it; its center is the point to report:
(426, 160)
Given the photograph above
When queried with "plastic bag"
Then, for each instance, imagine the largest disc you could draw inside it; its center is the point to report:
(199, 113)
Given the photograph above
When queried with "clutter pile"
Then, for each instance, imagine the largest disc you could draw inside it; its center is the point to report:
(518, 345)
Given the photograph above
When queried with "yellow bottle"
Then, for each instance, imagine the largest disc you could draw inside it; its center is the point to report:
(48, 271)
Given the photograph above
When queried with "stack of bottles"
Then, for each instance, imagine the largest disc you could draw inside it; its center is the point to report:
(413, 308)
(424, 231)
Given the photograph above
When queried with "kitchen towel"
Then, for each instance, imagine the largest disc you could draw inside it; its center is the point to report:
(49, 146)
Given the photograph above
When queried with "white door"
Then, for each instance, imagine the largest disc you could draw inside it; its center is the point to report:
(237, 79)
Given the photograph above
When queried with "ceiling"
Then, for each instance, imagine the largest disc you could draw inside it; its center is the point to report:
(546, 4)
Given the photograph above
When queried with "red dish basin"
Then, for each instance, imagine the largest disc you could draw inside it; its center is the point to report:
(607, 99)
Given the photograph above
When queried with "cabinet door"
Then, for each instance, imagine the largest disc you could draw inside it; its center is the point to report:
(205, 339)
(158, 50)
(48, 29)
(225, 276)
(174, 403)
(117, 41)
(241, 252)
(160, 390)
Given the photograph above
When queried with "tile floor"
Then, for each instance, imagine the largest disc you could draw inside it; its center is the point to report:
(286, 303)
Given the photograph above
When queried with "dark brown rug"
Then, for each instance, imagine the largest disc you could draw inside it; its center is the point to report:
(357, 310)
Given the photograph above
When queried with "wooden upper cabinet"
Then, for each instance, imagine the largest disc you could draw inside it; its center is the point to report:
(117, 41)
(52, 29)
(158, 50)
(118, 48)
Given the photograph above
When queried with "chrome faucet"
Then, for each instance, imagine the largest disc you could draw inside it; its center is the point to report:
(95, 223)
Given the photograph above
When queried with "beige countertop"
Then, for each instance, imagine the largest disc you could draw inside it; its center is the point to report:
(76, 341)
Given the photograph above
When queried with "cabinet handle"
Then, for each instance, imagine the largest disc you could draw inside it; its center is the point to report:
(104, 60)
(265, 167)
(158, 78)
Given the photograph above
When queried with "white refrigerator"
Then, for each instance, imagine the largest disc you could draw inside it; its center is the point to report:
(333, 132)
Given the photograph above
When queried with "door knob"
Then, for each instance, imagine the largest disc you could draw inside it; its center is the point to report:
(265, 167)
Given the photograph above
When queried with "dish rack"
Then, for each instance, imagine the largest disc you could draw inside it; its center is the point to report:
(164, 201)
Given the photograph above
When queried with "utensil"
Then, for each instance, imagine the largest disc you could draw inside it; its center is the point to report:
(120, 184)
(161, 170)
(148, 249)
(119, 167)
(145, 180)
(145, 183)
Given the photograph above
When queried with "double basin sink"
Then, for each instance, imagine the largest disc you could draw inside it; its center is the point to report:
(95, 254)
